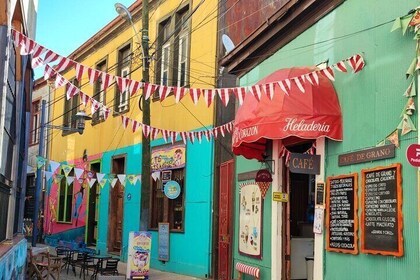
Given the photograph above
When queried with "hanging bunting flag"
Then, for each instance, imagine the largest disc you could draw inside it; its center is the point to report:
(70, 180)
(111, 177)
(105, 112)
(48, 72)
(84, 98)
(240, 94)
(173, 136)
(411, 90)
(285, 86)
(122, 83)
(184, 137)
(134, 86)
(406, 125)
(29, 169)
(48, 175)
(299, 82)
(256, 92)
(215, 132)
(66, 168)
(341, 66)
(415, 20)
(224, 95)
(410, 107)
(63, 64)
(113, 182)
(50, 56)
(78, 172)
(165, 135)
(191, 137)
(138, 178)
(80, 69)
(146, 130)
(58, 178)
(40, 161)
(222, 130)
(156, 175)
(393, 138)
(101, 179)
(121, 177)
(199, 135)
(135, 125)
(60, 81)
(91, 182)
(132, 178)
(36, 62)
(154, 132)
(269, 90)
(94, 105)
(208, 95)
(54, 166)
(207, 134)
(179, 92)
(93, 75)
(71, 91)
(107, 80)
(164, 92)
(149, 89)
(125, 121)
(328, 72)
(195, 95)
(356, 63)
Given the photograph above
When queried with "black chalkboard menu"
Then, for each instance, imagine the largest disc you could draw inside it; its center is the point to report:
(381, 211)
(320, 194)
(342, 214)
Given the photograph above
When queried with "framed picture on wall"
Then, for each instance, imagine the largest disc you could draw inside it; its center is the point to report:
(250, 220)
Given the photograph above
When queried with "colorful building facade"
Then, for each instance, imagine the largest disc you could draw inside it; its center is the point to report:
(299, 237)
(102, 204)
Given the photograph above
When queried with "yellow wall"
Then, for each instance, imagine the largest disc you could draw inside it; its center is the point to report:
(110, 134)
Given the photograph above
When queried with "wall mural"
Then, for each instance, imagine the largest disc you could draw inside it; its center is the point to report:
(250, 220)
(13, 262)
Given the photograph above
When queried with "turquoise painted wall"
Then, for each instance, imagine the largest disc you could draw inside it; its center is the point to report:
(371, 103)
(190, 252)
(243, 165)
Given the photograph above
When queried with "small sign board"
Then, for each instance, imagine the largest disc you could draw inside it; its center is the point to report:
(163, 242)
(413, 155)
(371, 154)
(138, 262)
(320, 195)
(280, 197)
(166, 175)
(172, 189)
(304, 163)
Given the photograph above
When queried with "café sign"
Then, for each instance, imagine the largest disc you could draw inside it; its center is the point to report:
(366, 155)
(304, 163)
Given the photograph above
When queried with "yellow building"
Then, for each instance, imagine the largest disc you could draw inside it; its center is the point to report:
(182, 41)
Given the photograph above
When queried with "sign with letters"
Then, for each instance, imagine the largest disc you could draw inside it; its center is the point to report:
(304, 163)
(372, 154)
(163, 242)
(413, 155)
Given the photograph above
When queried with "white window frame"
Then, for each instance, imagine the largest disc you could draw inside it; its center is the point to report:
(123, 97)
(164, 65)
(182, 59)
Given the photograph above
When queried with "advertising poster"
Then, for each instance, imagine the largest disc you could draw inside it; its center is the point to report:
(138, 262)
(250, 220)
(168, 157)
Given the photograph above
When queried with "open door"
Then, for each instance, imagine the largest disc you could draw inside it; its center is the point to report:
(116, 208)
(92, 222)
(225, 220)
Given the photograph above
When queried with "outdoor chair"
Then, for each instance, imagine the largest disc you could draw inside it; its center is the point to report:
(88, 264)
(66, 254)
(44, 266)
(76, 262)
(111, 267)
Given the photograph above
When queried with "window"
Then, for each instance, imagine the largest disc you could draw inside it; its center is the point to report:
(65, 200)
(71, 107)
(99, 92)
(170, 161)
(35, 122)
(124, 64)
(172, 52)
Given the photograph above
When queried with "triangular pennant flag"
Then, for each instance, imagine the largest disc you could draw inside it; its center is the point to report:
(179, 92)
(165, 134)
(29, 169)
(148, 90)
(415, 19)
(58, 178)
(138, 178)
(27, 46)
(59, 81)
(111, 177)
(173, 135)
(410, 107)
(38, 51)
(84, 98)
(131, 178)
(222, 130)
(406, 125)
(125, 121)
(48, 175)
(135, 125)
(54, 166)
(240, 93)
(256, 92)
(113, 182)
(164, 92)
(299, 82)
(224, 95)
(393, 138)
(396, 25)
(156, 175)
(71, 91)
(195, 95)
(154, 132)
(66, 168)
(215, 132)
(36, 62)
(411, 68)
(134, 86)
(91, 182)
(341, 66)
(191, 137)
(70, 180)
(146, 130)
(78, 172)
(209, 96)
(184, 137)
(207, 134)
(121, 177)
(50, 56)
(328, 72)
(381, 143)
(93, 75)
(80, 69)
(100, 177)
(269, 90)
(122, 83)
(107, 80)
(199, 135)
(48, 72)
(40, 161)
(94, 105)
(356, 63)
(63, 64)
(102, 182)
(285, 86)
(105, 112)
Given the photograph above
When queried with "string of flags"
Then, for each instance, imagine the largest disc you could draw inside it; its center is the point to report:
(284, 152)
(410, 22)
(84, 176)
(43, 56)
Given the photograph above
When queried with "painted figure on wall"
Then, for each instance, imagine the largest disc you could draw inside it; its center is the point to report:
(78, 198)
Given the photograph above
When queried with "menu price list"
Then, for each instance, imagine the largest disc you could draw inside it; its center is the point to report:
(342, 227)
(381, 210)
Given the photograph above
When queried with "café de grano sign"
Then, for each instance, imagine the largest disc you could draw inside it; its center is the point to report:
(372, 154)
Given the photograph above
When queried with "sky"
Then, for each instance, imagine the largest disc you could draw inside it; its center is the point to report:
(64, 25)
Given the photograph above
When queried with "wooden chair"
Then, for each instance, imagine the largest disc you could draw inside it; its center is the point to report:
(43, 265)
(111, 267)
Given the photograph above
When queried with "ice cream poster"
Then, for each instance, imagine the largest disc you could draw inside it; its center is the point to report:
(168, 157)
(138, 263)
(250, 220)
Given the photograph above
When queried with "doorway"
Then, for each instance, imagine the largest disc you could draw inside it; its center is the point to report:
(93, 213)
(116, 208)
(298, 217)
